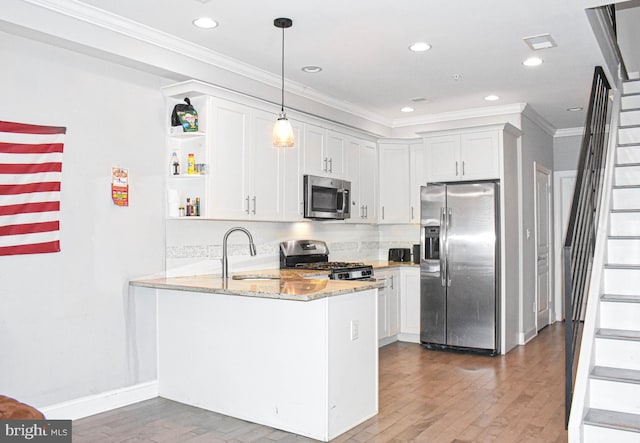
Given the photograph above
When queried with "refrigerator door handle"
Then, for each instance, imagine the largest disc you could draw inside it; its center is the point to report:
(443, 255)
(446, 240)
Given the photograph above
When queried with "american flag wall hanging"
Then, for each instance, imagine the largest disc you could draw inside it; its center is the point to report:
(30, 173)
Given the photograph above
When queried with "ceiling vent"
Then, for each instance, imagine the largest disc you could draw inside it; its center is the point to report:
(419, 99)
(542, 41)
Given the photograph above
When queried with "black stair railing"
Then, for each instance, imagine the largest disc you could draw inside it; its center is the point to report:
(583, 223)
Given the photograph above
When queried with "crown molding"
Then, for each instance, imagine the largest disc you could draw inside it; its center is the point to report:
(569, 132)
(532, 115)
(139, 32)
(487, 111)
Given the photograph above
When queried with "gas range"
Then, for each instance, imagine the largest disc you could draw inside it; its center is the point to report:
(314, 255)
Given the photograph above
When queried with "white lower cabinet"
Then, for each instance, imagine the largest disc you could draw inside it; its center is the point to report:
(399, 305)
(388, 306)
(410, 304)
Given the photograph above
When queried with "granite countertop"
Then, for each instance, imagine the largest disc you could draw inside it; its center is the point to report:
(385, 264)
(275, 283)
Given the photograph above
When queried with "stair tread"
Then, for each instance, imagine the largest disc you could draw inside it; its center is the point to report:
(624, 211)
(626, 165)
(613, 419)
(630, 94)
(628, 126)
(618, 334)
(624, 237)
(630, 110)
(616, 374)
(621, 298)
(627, 145)
(626, 186)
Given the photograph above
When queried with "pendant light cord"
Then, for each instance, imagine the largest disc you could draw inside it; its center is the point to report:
(282, 102)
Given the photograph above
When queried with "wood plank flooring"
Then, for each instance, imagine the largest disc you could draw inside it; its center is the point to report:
(425, 396)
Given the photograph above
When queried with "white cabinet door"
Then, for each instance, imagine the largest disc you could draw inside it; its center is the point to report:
(480, 155)
(383, 329)
(315, 139)
(418, 178)
(388, 304)
(230, 145)
(291, 177)
(443, 157)
(368, 175)
(264, 171)
(335, 154)
(465, 156)
(394, 183)
(393, 304)
(410, 301)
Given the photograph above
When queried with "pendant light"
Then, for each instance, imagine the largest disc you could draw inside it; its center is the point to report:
(282, 131)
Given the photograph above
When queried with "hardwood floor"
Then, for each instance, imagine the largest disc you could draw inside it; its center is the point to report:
(425, 396)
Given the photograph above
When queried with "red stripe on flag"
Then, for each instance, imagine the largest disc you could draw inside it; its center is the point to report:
(21, 148)
(30, 207)
(30, 228)
(25, 128)
(28, 188)
(36, 248)
(25, 168)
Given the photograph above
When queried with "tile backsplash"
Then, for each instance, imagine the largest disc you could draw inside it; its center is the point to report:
(195, 246)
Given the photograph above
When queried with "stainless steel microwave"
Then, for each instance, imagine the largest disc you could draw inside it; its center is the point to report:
(326, 198)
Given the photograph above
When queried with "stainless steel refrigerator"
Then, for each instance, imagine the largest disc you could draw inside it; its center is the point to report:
(459, 266)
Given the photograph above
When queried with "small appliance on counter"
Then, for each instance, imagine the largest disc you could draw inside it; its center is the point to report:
(416, 254)
(400, 254)
(314, 255)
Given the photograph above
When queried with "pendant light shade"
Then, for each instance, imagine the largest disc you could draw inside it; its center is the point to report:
(282, 131)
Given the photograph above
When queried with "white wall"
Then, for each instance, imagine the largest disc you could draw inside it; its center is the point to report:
(537, 146)
(68, 327)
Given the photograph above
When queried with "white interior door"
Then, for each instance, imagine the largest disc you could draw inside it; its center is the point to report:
(543, 245)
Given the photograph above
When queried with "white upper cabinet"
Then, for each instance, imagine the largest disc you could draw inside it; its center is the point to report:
(335, 154)
(362, 171)
(324, 152)
(418, 178)
(469, 155)
(315, 142)
(229, 184)
(264, 170)
(395, 183)
(480, 155)
(291, 197)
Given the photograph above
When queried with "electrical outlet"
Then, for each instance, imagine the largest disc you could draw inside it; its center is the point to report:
(354, 330)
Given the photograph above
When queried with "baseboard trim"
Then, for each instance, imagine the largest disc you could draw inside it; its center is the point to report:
(105, 401)
(524, 338)
(409, 338)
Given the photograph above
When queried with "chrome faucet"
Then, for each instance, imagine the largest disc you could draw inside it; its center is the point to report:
(225, 263)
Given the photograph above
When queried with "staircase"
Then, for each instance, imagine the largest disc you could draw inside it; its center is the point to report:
(611, 407)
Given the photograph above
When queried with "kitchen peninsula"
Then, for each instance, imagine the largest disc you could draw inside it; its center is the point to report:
(275, 348)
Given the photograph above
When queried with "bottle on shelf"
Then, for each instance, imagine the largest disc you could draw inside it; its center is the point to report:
(197, 207)
(191, 164)
(175, 164)
(188, 207)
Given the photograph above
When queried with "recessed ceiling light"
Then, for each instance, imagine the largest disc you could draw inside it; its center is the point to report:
(311, 69)
(491, 98)
(407, 109)
(575, 109)
(532, 61)
(420, 47)
(205, 23)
